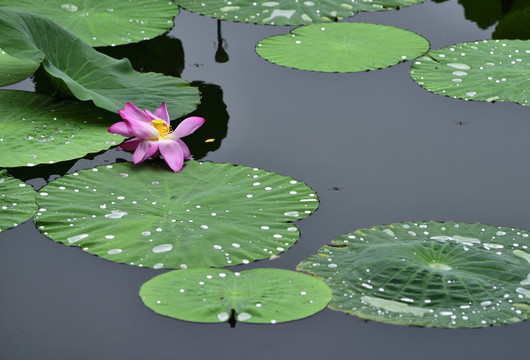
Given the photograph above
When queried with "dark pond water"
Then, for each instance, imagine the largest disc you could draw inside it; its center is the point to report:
(375, 146)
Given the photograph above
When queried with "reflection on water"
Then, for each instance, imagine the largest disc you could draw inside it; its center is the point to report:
(43, 171)
(221, 56)
(511, 17)
(162, 54)
(208, 137)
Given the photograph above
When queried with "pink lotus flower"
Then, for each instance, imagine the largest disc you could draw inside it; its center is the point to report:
(153, 135)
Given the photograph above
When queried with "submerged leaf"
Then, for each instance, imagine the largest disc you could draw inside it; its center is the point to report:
(36, 129)
(207, 215)
(488, 70)
(342, 47)
(17, 201)
(86, 73)
(429, 274)
(262, 296)
(13, 70)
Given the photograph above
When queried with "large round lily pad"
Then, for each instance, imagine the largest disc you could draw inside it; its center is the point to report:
(429, 274)
(288, 12)
(86, 73)
(488, 70)
(13, 70)
(342, 47)
(105, 22)
(265, 296)
(206, 215)
(36, 129)
(17, 201)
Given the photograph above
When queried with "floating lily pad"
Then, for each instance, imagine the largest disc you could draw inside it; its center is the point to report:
(13, 70)
(36, 129)
(17, 201)
(105, 22)
(263, 296)
(86, 73)
(206, 215)
(342, 47)
(488, 70)
(429, 274)
(288, 12)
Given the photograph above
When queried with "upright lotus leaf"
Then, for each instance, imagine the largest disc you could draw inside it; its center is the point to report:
(13, 70)
(342, 47)
(429, 274)
(36, 129)
(206, 215)
(17, 201)
(488, 70)
(88, 74)
(289, 12)
(262, 296)
(105, 22)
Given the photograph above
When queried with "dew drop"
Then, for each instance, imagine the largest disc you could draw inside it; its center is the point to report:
(292, 213)
(459, 66)
(69, 7)
(162, 248)
(243, 316)
(76, 238)
(223, 316)
(116, 214)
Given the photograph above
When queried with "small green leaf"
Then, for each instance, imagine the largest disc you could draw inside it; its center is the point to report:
(262, 296)
(88, 74)
(429, 274)
(17, 201)
(342, 47)
(36, 129)
(208, 214)
(105, 22)
(288, 12)
(487, 70)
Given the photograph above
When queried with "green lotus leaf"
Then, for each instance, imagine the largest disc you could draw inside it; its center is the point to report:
(17, 201)
(13, 70)
(453, 275)
(36, 129)
(86, 73)
(105, 22)
(263, 296)
(288, 12)
(342, 47)
(208, 214)
(488, 70)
